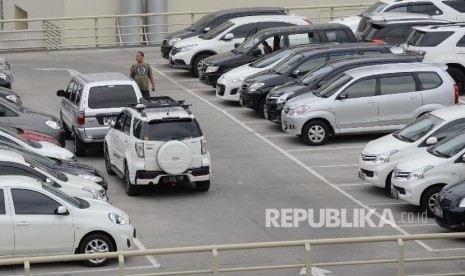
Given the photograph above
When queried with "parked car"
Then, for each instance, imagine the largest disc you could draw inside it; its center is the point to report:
(6, 74)
(211, 21)
(29, 135)
(380, 157)
(394, 28)
(158, 141)
(58, 223)
(418, 178)
(188, 53)
(450, 207)
(255, 88)
(21, 117)
(87, 111)
(12, 163)
(251, 49)
(43, 148)
(450, 10)
(10, 95)
(315, 79)
(376, 98)
(441, 44)
(74, 168)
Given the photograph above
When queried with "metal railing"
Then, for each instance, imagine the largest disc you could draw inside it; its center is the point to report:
(107, 30)
(308, 245)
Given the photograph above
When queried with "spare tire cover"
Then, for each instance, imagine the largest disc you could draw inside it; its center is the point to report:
(174, 157)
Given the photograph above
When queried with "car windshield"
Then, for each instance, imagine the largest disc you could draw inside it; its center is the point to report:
(269, 59)
(376, 7)
(111, 96)
(75, 202)
(286, 66)
(333, 86)
(248, 44)
(449, 146)
(418, 128)
(313, 77)
(58, 175)
(427, 39)
(200, 23)
(218, 30)
(167, 130)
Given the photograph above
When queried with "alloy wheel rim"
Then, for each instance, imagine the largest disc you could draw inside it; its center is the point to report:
(316, 133)
(97, 246)
(432, 201)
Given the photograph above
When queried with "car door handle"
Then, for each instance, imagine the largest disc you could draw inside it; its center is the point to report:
(22, 223)
(371, 102)
(414, 98)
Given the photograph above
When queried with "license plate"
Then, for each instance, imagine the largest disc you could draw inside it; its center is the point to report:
(438, 212)
(109, 120)
(173, 179)
(361, 175)
(394, 193)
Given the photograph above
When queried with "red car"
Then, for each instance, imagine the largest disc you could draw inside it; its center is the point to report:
(31, 135)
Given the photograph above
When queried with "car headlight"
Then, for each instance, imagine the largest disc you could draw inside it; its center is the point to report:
(173, 41)
(187, 48)
(13, 98)
(299, 110)
(384, 157)
(53, 125)
(255, 86)
(462, 203)
(91, 177)
(116, 219)
(67, 157)
(96, 194)
(237, 80)
(212, 68)
(282, 99)
(4, 76)
(418, 174)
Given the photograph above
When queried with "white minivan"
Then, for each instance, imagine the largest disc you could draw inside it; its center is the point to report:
(187, 53)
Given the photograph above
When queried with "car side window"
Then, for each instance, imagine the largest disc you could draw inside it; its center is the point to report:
(311, 64)
(396, 35)
(120, 121)
(127, 124)
(77, 99)
(461, 42)
(2, 203)
(9, 170)
(137, 128)
(446, 131)
(399, 8)
(337, 36)
(339, 55)
(5, 139)
(27, 202)
(429, 80)
(74, 89)
(360, 89)
(397, 84)
(245, 30)
(8, 112)
(306, 38)
(69, 90)
(424, 8)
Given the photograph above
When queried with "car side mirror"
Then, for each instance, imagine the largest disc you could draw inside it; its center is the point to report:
(61, 93)
(228, 36)
(343, 96)
(61, 211)
(295, 73)
(431, 141)
(48, 180)
(462, 159)
(236, 45)
(2, 111)
(206, 30)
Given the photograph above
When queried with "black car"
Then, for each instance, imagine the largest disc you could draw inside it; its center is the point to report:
(249, 50)
(211, 21)
(316, 78)
(256, 87)
(21, 117)
(449, 210)
(84, 171)
(10, 95)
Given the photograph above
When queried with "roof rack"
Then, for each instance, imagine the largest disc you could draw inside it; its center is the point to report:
(162, 102)
(458, 24)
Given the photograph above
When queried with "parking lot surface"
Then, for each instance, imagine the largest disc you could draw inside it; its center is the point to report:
(255, 166)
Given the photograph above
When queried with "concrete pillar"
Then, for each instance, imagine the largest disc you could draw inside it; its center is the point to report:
(159, 28)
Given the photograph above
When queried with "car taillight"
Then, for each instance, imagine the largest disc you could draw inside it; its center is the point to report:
(456, 92)
(308, 21)
(81, 120)
(377, 41)
(204, 148)
(140, 149)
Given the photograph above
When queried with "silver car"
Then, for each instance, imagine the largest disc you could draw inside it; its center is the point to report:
(91, 103)
(378, 98)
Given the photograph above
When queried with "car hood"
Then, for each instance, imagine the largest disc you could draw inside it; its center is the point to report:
(269, 78)
(306, 99)
(38, 137)
(242, 71)
(183, 34)
(292, 88)
(419, 160)
(456, 190)
(221, 58)
(77, 167)
(385, 144)
(54, 151)
(84, 183)
(189, 41)
(105, 208)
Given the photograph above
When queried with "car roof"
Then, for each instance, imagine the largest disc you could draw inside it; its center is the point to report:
(162, 109)
(450, 113)
(407, 1)
(260, 18)
(344, 61)
(390, 68)
(102, 77)
(10, 156)
(385, 16)
(247, 9)
(19, 181)
(279, 30)
(310, 49)
(439, 28)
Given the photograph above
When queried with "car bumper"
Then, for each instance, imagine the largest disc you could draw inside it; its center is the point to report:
(125, 238)
(375, 173)
(410, 190)
(292, 124)
(209, 78)
(165, 51)
(93, 134)
(228, 92)
(158, 177)
(249, 100)
(273, 110)
(180, 61)
(5, 83)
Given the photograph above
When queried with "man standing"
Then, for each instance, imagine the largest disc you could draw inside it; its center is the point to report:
(141, 73)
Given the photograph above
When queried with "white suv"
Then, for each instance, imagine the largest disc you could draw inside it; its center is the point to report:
(157, 141)
(450, 10)
(441, 44)
(418, 178)
(380, 157)
(189, 52)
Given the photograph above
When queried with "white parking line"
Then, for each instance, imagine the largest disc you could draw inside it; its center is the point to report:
(277, 135)
(327, 148)
(386, 203)
(85, 271)
(204, 89)
(419, 225)
(234, 109)
(353, 184)
(151, 259)
(335, 166)
(256, 122)
(293, 158)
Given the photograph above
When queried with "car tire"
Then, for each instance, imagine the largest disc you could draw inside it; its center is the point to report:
(459, 78)
(316, 133)
(129, 187)
(202, 186)
(261, 108)
(79, 146)
(428, 199)
(68, 132)
(96, 243)
(108, 166)
(388, 185)
(195, 64)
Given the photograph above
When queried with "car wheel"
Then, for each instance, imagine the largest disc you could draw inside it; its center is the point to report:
(459, 78)
(202, 186)
(261, 108)
(428, 200)
(315, 133)
(388, 185)
(107, 161)
(79, 146)
(130, 188)
(68, 132)
(96, 243)
(196, 63)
